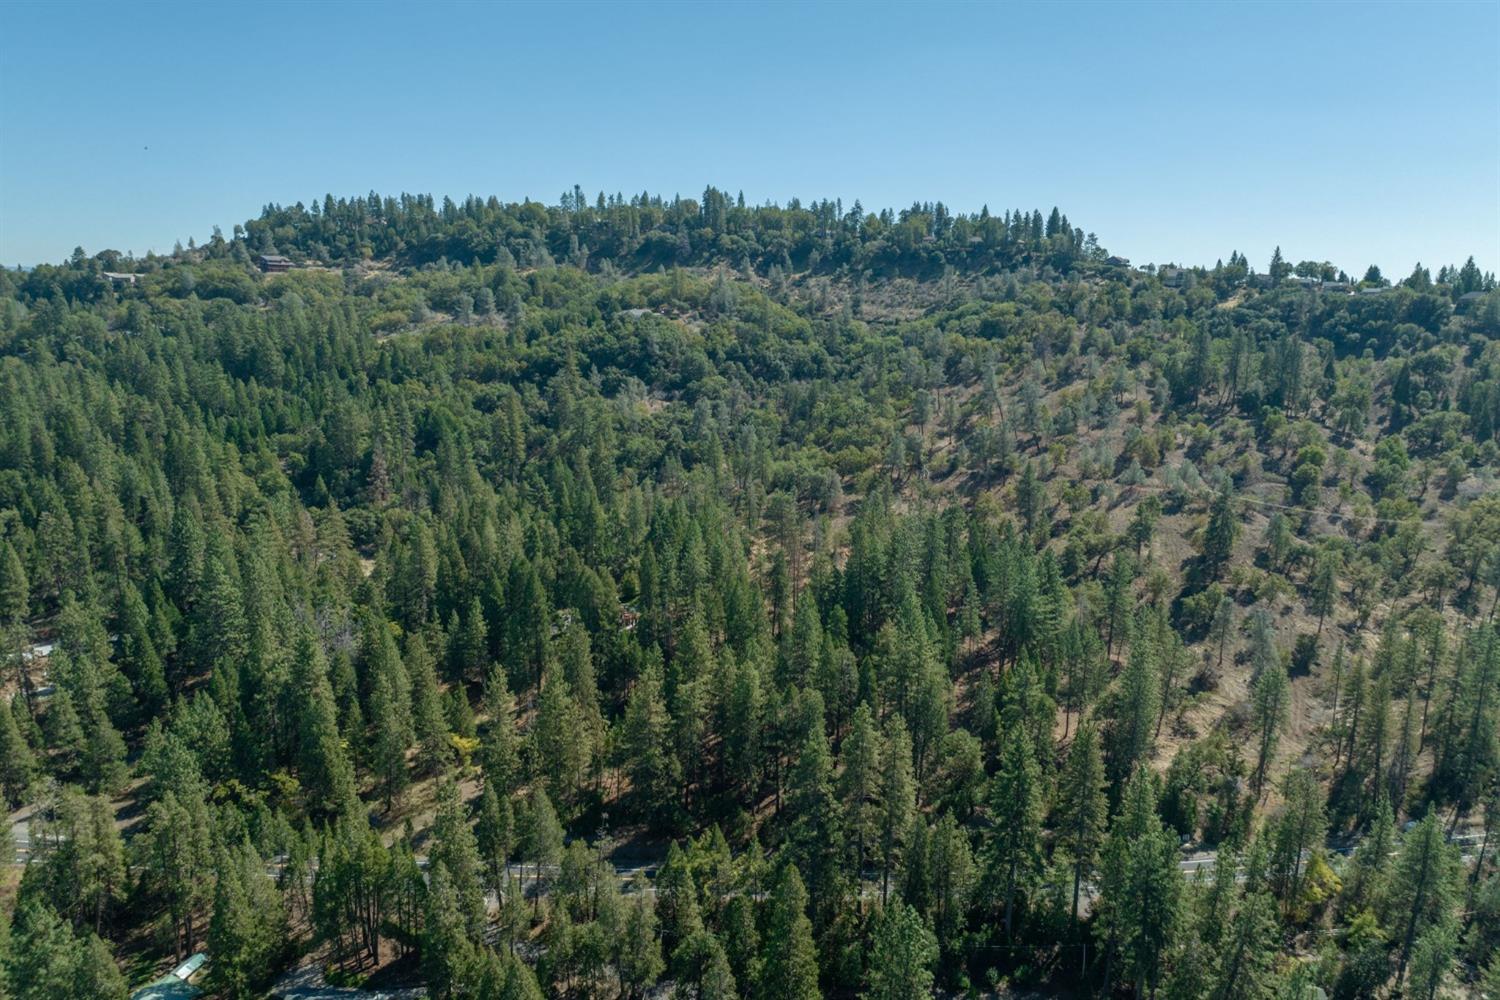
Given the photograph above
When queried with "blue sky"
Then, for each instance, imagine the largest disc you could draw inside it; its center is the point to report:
(1357, 133)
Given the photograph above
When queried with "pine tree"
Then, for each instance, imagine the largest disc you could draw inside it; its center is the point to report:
(898, 801)
(1153, 889)
(790, 963)
(917, 876)
(450, 959)
(1323, 589)
(1139, 885)
(742, 728)
(859, 784)
(500, 753)
(677, 900)
(46, 960)
(951, 874)
(64, 732)
(1129, 740)
(1369, 873)
(97, 976)
(218, 635)
(1372, 752)
(38, 965)
(701, 966)
(640, 961)
(1351, 707)
(83, 729)
(1030, 498)
(1278, 268)
(468, 644)
(1270, 703)
(1189, 976)
(354, 884)
(1118, 597)
(815, 838)
(495, 836)
(541, 836)
(140, 659)
(15, 588)
(527, 628)
(1420, 892)
(248, 931)
(1432, 957)
(1297, 835)
(1221, 626)
(1403, 747)
(717, 982)
(17, 763)
(737, 928)
(1016, 808)
(327, 777)
(430, 728)
(455, 847)
(1468, 746)
(902, 953)
(84, 859)
(177, 854)
(560, 746)
(1218, 536)
(576, 658)
(1248, 952)
(653, 768)
(104, 753)
(392, 737)
(1143, 522)
(804, 647)
(1082, 806)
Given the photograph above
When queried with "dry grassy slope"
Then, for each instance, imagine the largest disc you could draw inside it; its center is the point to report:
(1226, 704)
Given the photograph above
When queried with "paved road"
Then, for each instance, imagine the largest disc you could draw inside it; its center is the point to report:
(1199, 861)
(20, 834)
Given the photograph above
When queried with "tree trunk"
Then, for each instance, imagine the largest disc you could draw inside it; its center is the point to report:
(1010, 899)
(1411, 922)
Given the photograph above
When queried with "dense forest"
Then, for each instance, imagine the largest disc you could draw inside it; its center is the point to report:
(643, 597)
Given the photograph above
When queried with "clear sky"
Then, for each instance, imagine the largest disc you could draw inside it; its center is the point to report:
(1358, 133)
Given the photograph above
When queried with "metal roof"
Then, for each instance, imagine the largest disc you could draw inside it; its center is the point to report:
(192, 965)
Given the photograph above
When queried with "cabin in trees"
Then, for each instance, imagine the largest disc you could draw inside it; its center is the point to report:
(274, 263)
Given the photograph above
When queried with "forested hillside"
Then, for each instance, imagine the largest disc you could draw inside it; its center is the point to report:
(642, 597)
